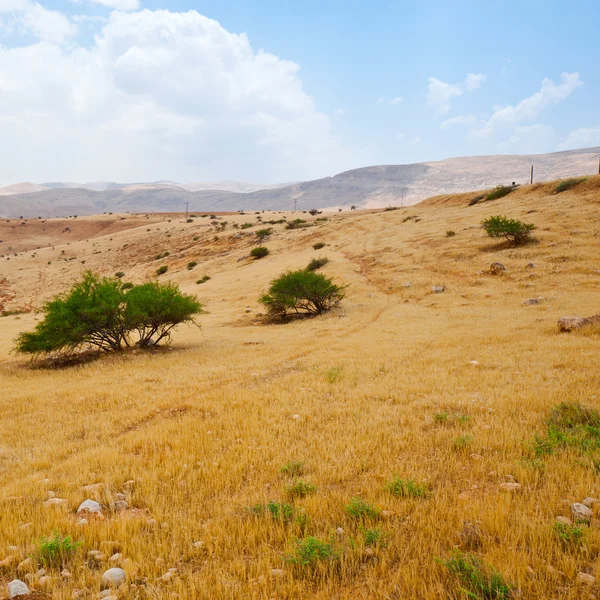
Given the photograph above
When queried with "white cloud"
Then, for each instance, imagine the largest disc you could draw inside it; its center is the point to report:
(440, 93)
(415, 140)
(581, 138)
(549, 94)
(465, 120)
(530, 139)
(160, 95)
(32, 17)
(119, 4)
(392, 101)
(397, 100)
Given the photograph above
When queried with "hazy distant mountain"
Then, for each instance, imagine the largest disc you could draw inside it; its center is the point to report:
(366, 187)
(21, 188)
(232, 186)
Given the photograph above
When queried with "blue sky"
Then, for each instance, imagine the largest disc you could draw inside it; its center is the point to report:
(310, 89)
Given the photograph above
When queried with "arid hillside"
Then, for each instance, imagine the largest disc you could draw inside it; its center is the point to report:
(397, 447)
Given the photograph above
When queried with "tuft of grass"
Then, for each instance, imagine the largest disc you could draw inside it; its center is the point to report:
(334, 374)
(191, 265)
(318, 246)
(569, 535)
(500, 192)
(317, 263)
(462, 442)
(277, 510)
(119, 274)
(450, 233)
(300, 488)
(127, 286)
(56, 551)
(407, 488)
(203, 279)
(375, 537)
(362, 510)
(293, 469)
(162, 255)
(259, 252)
(162, 270)
(311, 551)
(477, 580)
(568, 184)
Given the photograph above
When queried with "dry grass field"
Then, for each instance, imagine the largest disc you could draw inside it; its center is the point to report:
(384, 387)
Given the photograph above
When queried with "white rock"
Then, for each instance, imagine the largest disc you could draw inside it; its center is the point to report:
(563, 521)
(277, 572)
(45, 583)
(475, 363)
(55, 502)
(581, 512)
(115, 557)
(339, 531)
(198, 544)
(510, 486)
(90, 506)
(17, 588)
(589, 502)
(168, 576)
(114, 577)
(82, 522)
(121, 505)
(295, 417)
(585, 578)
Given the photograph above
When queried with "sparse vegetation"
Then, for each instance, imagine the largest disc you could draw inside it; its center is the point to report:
(191, 265)
(119, 274)
(162, 255)
(513, 230)
(450, 233)
(56, 551)
(301, 292)
(261, 234)
(277, 510)
(300, 488)
(311, 551)
(162, 270)
(499, 192)
(259, 252)
(362, 510)
(407, 488)
(203, 279)
(293, 469)
(297, 224)
(317, 263)
(569, 184)
(318, 246)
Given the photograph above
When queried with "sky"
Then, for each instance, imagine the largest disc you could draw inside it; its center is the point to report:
(273, 91)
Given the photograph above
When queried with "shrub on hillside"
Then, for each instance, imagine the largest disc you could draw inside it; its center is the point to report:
(317, 263)
(568, 184)
(259, 252)
(191, 265)
(500, 192)
(318, 246)
(513, 230)
(97, 314)
(162, 270)
(301, 292)
(261, 234)
(297, 224)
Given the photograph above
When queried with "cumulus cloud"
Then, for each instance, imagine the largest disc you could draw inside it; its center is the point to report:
(440, 93)
(160, 95)
(550, 93)
(465, 120)
(31, 17)
(585, 137)
(118, 4)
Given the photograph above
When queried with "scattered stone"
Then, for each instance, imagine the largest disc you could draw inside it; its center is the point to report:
(406, 284)
(129, 484)
(497, 269)
(168, 576)
(510, 486)
(65, 574)
(530, 266)
(90, 506)
(55, 502)
(115, 557)
(563, 521)
(573, 323)
(530, 571)
(296, 417)
(475, 363)
(585, 578)
(438, 289)
(369, 552)
(532, 301)
(340, 531)
(10, 560)
(120, 497)
(25, 566)
(17, 588)
(92, 487)
(114, 577)
(82, 522)
(277, 573)
(121, 505)
(589, 502)
(45, 583)
(198, 544)
(581, 512)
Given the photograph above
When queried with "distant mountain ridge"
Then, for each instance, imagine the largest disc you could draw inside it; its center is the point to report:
(367, 187)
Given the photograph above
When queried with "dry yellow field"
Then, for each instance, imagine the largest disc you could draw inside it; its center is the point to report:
(384, 386)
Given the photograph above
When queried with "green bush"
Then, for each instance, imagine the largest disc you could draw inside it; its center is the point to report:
(511, 229)
(277, 510)
(407, 488)
(500, 192)
(568, 184)
(246, 225)
(297, 224)
(300, 489)
(191, 265)
(316, 263)
(119, 274)
(259, 252)
(311, 551)
(161, 255)
(126, 286)
(318, 246)
(293, 469)
(56, 551)
(450, 233)
(96, 314)
(261, 234)
(301, 292)
(162, 270)
(362, 510)
(203, 280)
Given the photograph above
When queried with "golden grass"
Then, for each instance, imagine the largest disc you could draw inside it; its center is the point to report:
(204, 429)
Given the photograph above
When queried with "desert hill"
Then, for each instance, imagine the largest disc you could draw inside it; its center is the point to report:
(378, 451)
(368, 187)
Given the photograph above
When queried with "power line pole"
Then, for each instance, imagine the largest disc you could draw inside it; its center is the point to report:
(187, 204)
(531, 176)
(295, 204)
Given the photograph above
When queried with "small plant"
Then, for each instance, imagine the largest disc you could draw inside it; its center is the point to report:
(462, 442)
(479, 581)
(293, 469)
(300, 489)
(513, 230)
(299, 292)
(119, 274)
(334, 374)
(450, 233)
(56, 551)
(317, 263)
(311, 551)
(162, 270)
(318, 246)
(407, 488)
(499, 192)
(375, 537)
(297, 224)
(261, 234)
(127, 286)
(362, 510)
(569, 534)
(161, 255)
(203, 280)
(259, 252)
(568, 184)
(246, 225)
(277, 510)
(476, 200)
(191, 265)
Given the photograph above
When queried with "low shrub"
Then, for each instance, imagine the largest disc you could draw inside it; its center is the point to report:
(162, 270)
(450, 233)
(126, 286)
(203, 279)
(297, 224)
(261, 234)
(119, 274)
(476, 200)
(259, 252)
(499, 192)
(318, 246)
(568, 184)
(311, 551)
(56, 551)
(300, 489)
(375, 537)
(407, 488)
(161, 255)
(191, 265)
(277, 510)
(316, 263)
(513, 230)
(301, 292)
(360, 509)
(293, 469)
(246, 225)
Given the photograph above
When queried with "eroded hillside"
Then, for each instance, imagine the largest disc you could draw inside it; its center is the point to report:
(445, 390)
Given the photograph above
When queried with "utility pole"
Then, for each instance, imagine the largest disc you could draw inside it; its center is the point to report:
(187, 204)
(531, 176)
(598, 166)
(295, 204)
